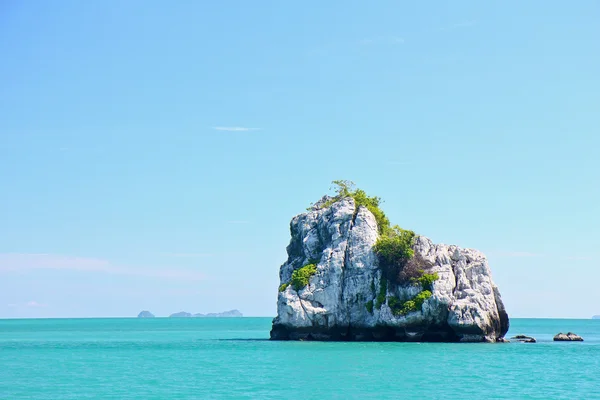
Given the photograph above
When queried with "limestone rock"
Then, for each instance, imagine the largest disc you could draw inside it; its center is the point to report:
(465, 304)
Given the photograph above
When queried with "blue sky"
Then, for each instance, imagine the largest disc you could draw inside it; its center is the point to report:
(152, 154)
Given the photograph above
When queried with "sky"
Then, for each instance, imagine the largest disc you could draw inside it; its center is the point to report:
(153, 153)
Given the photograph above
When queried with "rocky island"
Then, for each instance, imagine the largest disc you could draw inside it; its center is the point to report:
(351, 276)
(145, 314)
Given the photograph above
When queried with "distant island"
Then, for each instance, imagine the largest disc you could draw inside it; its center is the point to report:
(596, 317)
(224, 314)
(145, 314)
(181, 314)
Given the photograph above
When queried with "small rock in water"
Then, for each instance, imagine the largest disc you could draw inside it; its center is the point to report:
(568, 337)
(524, 339)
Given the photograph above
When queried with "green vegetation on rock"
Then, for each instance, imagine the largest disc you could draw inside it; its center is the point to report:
(421, 297)
(369, 306)
(415, 303)
(395, 304)
(283, 286)
(346, 189)
(394, 249)
(407, 307)
(301, 276)
(426, 280)
(382, 293)
(399, 307)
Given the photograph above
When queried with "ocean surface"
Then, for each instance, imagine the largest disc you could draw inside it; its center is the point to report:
(232, 358)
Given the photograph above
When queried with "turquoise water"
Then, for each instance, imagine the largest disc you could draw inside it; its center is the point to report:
(231, 358)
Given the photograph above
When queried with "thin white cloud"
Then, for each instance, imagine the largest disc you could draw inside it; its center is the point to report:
(579, 258)
(234, 128)
(18, 262)
(34, 304)
(29, 304)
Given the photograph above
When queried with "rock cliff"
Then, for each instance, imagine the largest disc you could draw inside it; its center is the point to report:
(347, 296)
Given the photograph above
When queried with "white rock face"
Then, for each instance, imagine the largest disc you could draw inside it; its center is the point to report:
(465, 304)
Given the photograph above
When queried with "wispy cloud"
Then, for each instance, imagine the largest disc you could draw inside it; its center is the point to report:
(34, 304)
(29, 304)
(17, 262)
(579, 258)
(381, 40)
(234, 128)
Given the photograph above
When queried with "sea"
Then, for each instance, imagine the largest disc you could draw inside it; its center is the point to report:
(232, 358)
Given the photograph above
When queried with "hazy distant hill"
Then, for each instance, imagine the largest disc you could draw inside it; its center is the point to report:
(181, 314)
(224, 314)
(596, 317)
